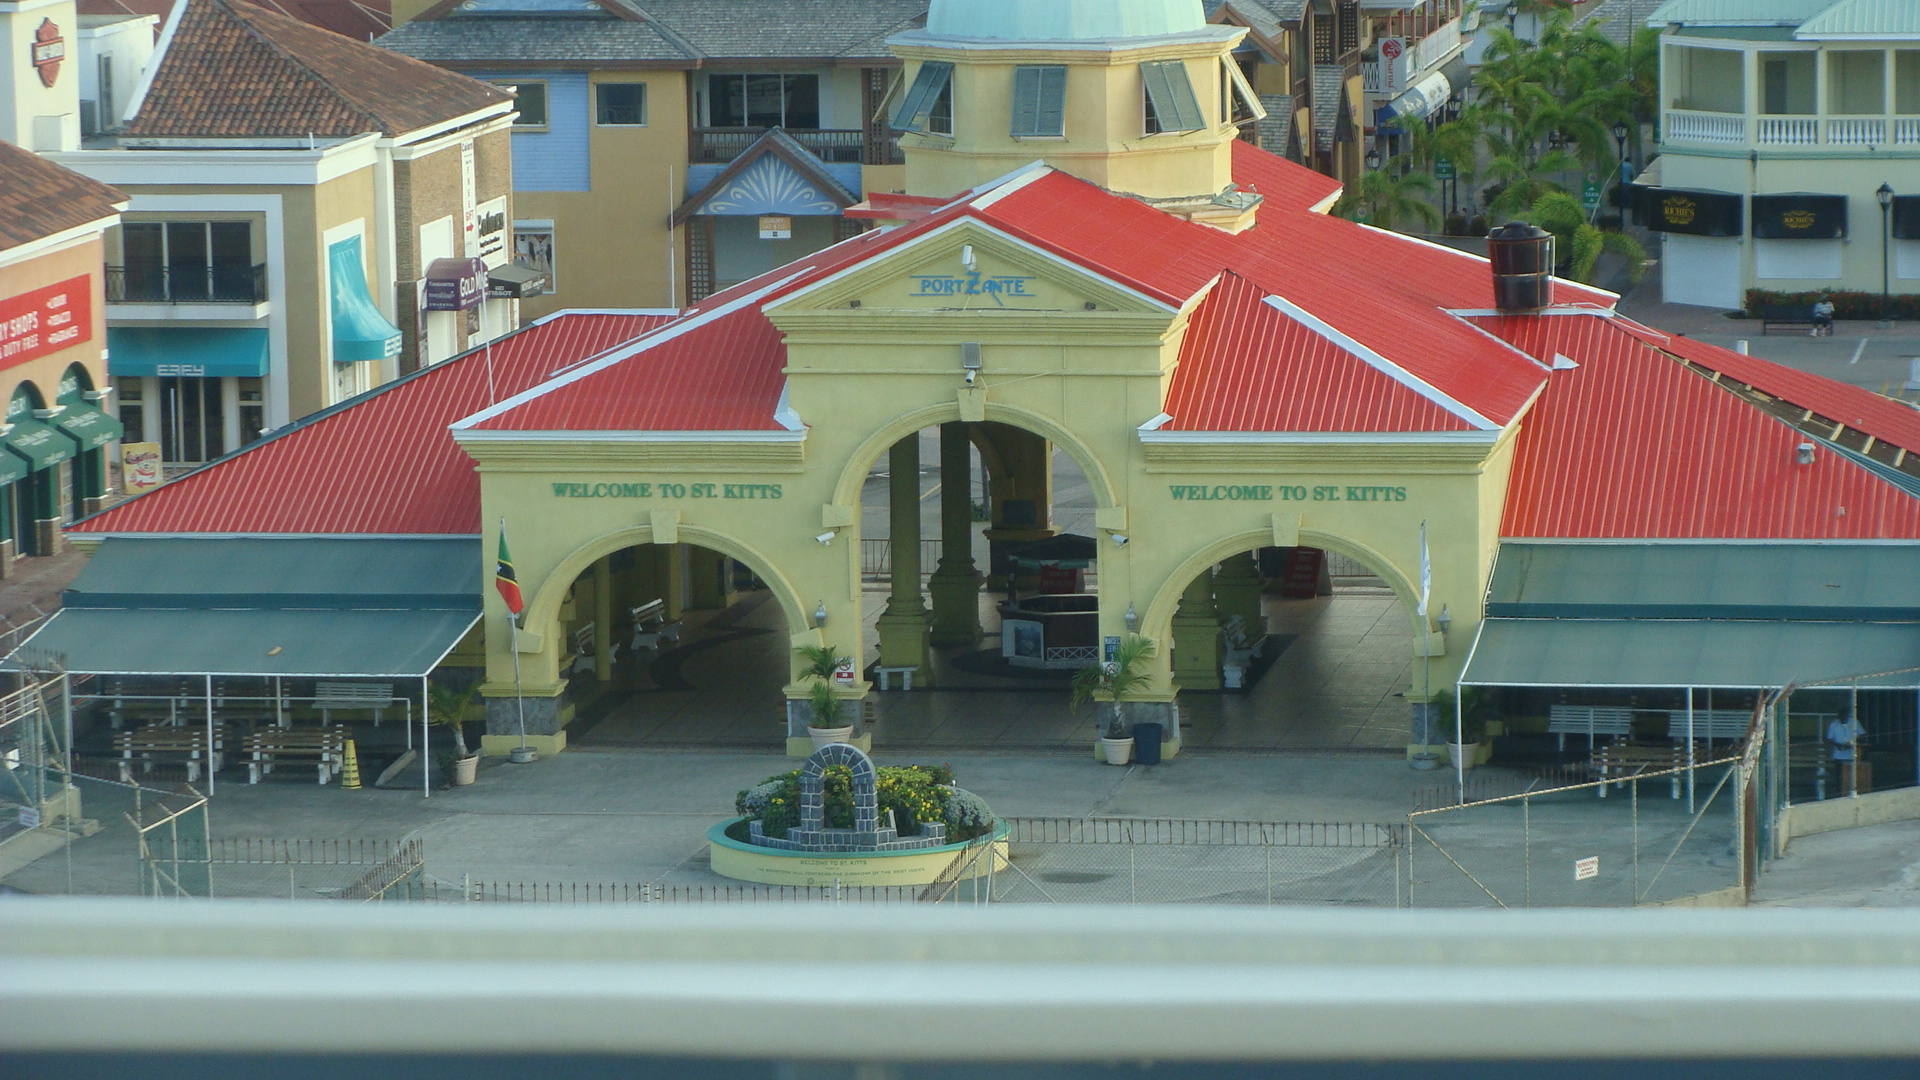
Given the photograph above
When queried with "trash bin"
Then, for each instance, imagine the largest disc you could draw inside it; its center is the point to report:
(1146, 743)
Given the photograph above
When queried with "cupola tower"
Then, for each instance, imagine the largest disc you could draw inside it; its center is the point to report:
(1138, 96)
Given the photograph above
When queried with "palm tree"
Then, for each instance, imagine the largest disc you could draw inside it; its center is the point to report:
(1382, 198)
(447, 707)
(1116, 679)
(1579, 242)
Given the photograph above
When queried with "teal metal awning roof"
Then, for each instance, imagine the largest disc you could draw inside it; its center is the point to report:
(1729, 654)
(296, 606)
(309, 643)
(39, 445)
(360, 332)
(88, 426)
(1700, 581)
(198, 351)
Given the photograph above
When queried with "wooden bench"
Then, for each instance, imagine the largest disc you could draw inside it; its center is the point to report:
(328, 696)
(651, 626)
(583, 639)
(325, 747)
(886, 675)
(1712, 725)
(1589, 720)
(163, 741)
(1621, 760)
(1794, 316)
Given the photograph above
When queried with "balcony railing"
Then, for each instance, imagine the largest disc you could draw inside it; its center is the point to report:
(1731, 129)
(188, 283)
(717, 146)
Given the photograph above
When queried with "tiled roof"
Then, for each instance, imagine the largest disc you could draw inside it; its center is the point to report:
(1633, 444)
(39, 198)
(1327, 82)
(361, 20)
(661, 31)
(234, 70)
(380, 464)
(1619, 20)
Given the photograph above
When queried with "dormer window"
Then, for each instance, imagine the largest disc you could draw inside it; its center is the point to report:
(1039, 101)
(1170, 103)
(929, 104)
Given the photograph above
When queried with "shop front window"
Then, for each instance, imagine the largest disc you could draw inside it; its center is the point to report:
(253, 409)
(192, 420)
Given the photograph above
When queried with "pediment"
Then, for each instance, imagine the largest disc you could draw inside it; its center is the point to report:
(969, 268)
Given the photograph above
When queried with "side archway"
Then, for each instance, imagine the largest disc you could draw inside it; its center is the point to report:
(1158, 622)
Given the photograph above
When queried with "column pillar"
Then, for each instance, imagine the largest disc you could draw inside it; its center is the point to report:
(602, 620)
(1196, 637)
(1022, 503)
(956, 584)
(1236, 591)
(903, 627)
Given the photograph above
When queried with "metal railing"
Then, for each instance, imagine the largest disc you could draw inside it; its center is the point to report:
(187, 283)
(719, 145)
(876, 558)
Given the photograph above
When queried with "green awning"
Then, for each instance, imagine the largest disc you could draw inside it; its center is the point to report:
(41, 446)
(309, 643)
(191, 351)
(360, 332)
(88, 426)
(1723, 654)
(1634, 580)
(13, 468)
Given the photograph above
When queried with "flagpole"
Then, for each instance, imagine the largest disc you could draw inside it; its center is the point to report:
(523, 753)
(1424, 758)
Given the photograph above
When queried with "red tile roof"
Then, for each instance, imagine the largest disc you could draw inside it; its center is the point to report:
(360, 20)
(1245, 366)
(1634, 445)
(382, 464)
(39, 198)
(235, 70)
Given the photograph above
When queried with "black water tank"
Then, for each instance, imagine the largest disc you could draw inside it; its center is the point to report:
(1522, 256)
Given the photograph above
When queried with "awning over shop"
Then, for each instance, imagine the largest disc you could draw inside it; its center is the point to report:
(1906, 217)
(1688, 211)
(40, 445)
(360, 332)
(254, 606)
(1800, 215)
(1878, 582)
(334, 643)
(456, 284)
(88, 426)
(1420, 100)
(515, 282)
(193, 351)
(1648, 653)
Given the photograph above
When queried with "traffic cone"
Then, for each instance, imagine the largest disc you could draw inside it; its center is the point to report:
(350, 770)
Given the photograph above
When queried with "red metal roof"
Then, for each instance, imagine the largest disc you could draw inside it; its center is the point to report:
(382, 464)
(1862, 410)
(1245, 366)
(1633, 444)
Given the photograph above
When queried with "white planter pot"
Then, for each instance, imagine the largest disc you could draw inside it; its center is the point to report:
(827, 736)
(1463, 755)
(1119, 751)
(465, 769)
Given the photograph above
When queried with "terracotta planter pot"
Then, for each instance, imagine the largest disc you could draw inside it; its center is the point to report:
(1119, 751)
(827, 736)
(465, 769)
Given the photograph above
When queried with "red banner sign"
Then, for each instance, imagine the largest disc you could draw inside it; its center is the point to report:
(49, 49)
(45, 320)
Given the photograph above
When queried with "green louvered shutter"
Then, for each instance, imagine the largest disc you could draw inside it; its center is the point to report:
(1039, 101)
(922, 96)
(1171, 105)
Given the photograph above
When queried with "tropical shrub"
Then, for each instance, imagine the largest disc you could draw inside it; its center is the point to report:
(916, 794)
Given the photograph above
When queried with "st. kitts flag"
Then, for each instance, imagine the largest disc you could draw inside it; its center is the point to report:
(503, 578)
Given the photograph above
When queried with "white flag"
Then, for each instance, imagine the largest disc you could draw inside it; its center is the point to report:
(1426, 572)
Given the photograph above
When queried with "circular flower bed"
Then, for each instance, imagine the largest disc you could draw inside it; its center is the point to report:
(916, 794)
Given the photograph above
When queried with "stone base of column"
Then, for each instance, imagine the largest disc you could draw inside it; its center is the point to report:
(903, 643)
(956, 608)
(7, 555)
(546, 717)
(52, 540)
(504, 745)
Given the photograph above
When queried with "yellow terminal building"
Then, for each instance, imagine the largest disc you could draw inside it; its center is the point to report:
(1088, 276)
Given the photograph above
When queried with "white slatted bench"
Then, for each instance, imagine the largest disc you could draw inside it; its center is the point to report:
(1589, 720)
(1714, 725)
(651, 626)
(375, 697)
(583, 639)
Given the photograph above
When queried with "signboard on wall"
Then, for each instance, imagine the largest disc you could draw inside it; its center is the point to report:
(48, 50)
(491, 221)
(776, 227)
(140, 466)
(46, 320)
(470, 218)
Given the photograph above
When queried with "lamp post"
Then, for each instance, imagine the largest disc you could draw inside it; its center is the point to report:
(1885, 197)
(1620, 142)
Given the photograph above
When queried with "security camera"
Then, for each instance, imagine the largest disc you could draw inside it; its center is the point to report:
(825, 538)
(1120, 539)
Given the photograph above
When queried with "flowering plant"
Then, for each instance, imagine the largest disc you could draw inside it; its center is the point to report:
(916, 794)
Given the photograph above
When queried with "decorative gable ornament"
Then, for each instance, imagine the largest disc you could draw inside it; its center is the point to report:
(48, 49)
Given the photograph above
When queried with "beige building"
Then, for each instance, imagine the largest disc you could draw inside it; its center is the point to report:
(1790, 151)
(310, 217)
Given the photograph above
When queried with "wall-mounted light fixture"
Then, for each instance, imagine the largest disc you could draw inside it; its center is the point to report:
(1133, 619)
(820, 614)
(1446, 620)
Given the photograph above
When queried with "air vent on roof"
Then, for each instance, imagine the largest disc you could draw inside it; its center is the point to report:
(1522, 257)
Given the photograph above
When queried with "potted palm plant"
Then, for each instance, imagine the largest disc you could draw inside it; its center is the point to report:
(1471, 707)
(1114, 681)
(828, 720)
(448, 708)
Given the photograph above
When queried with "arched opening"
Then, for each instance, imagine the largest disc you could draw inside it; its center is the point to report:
(35, 475)
(1308, 647)
(677, 643)
(980, 574)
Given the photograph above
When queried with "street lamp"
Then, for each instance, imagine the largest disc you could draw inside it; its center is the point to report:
(1373, 159)
(1885, 197)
